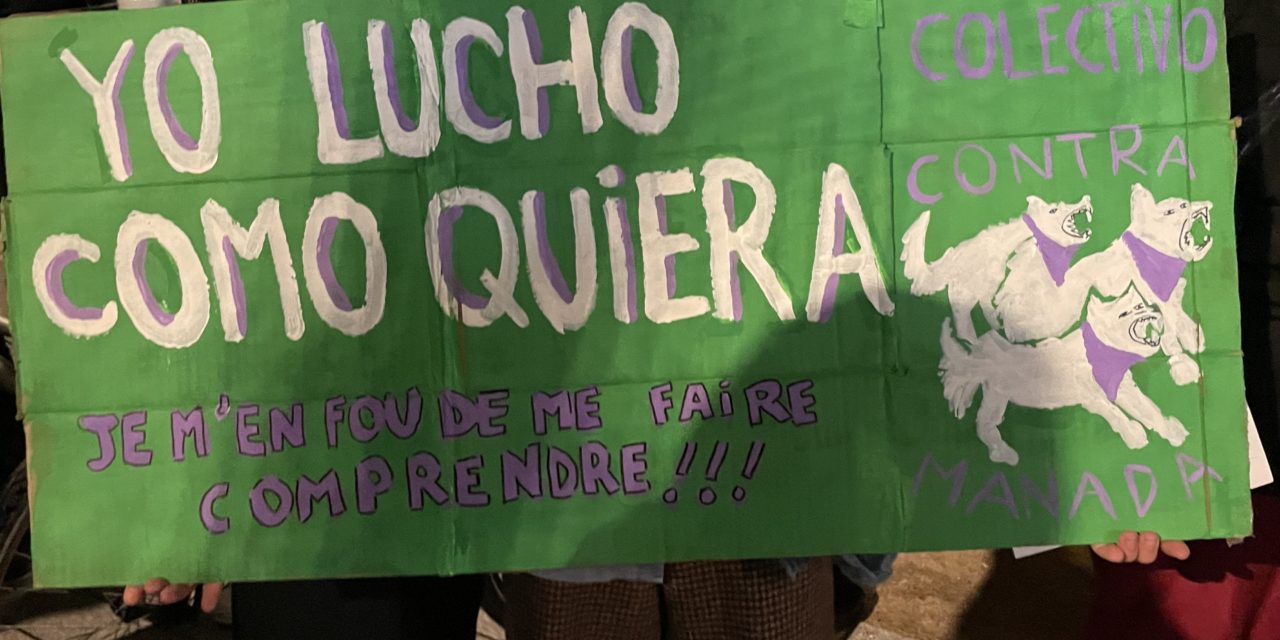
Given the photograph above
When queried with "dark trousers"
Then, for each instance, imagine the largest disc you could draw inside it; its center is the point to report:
(377, 609)
(741, 600)
(1221, 593)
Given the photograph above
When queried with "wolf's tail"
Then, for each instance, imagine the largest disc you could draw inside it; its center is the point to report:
(918, 271)
(958, 385)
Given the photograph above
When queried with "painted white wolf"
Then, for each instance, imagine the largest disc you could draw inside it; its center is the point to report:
(1027, 254)
(1162, 238)
(1088, 368)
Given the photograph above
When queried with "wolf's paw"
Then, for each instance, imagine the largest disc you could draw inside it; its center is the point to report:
(1135, 437)
(1184, 370)
(1193, 339)
(1174, 432)
(1004, 454)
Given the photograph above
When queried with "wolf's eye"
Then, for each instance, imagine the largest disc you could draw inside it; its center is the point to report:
(1184, 205)
(1170, 212)
(1053, 212)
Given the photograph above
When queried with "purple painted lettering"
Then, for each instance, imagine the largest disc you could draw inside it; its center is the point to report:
(562, 473)
(367, 420)
(588, 409)
(1073, 41)
(213, 523)
(1138, 53)
(53, 283)
(988, 494)
(459, 415)
(328, 489)
(916, 37)
(132, 439)
(1210, 40)
(1047, 498)
(247, 431)
(1193, 471)
(595, 470)
(913, 182)
(287, 428)
(962, 57)
(801, 401)
(1142, 506)
(475, 113)
(466, 480)
(260, 501)
(696, 401)
(558, 405)
(1090, 485)
(1017, 155)
(333, 414)
(373, 478)
(955, 474)
(1006, 49)
(660, 403)
(101, 426)
(522, 474)
(1118, 156)
(324, 264)
(423, 472)
(762, 397)
(188, 425)
(634, 466)
(1177, 144)
(1077, 139)
(1047, 40)
(1160, 42)
(1110, 26)
(406, 425)
(963, 178)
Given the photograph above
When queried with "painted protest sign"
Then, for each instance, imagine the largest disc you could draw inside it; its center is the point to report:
(336, 289)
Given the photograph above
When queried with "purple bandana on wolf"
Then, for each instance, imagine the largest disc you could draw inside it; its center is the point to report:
(1057, 258)
(1161, 271)
(1108, 363)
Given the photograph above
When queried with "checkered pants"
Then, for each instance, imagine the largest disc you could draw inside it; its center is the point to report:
(741, 600)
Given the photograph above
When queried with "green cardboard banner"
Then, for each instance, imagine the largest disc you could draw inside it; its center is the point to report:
(324, 289)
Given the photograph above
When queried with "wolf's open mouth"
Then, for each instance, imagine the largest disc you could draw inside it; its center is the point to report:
(1078, 223)
(1196, 233)
(1148, 330)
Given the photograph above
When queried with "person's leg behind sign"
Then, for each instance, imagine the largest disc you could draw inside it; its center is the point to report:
(750, 600)
(603, 607)
(739, 600)
(383, 608)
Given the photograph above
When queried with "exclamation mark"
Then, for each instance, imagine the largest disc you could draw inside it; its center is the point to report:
(686, 460)
(708, 495)
(749, 470)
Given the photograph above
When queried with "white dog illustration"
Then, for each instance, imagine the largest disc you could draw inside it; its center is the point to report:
(1028, 254)
(1088, 368)
(1162, 238)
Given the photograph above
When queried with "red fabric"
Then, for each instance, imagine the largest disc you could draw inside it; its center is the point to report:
(1220, 593)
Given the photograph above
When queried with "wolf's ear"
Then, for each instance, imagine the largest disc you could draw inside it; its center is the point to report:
(1133, 296)
(1130, 294)
(1140, 198)
(1034, 203)
(1094, 309)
